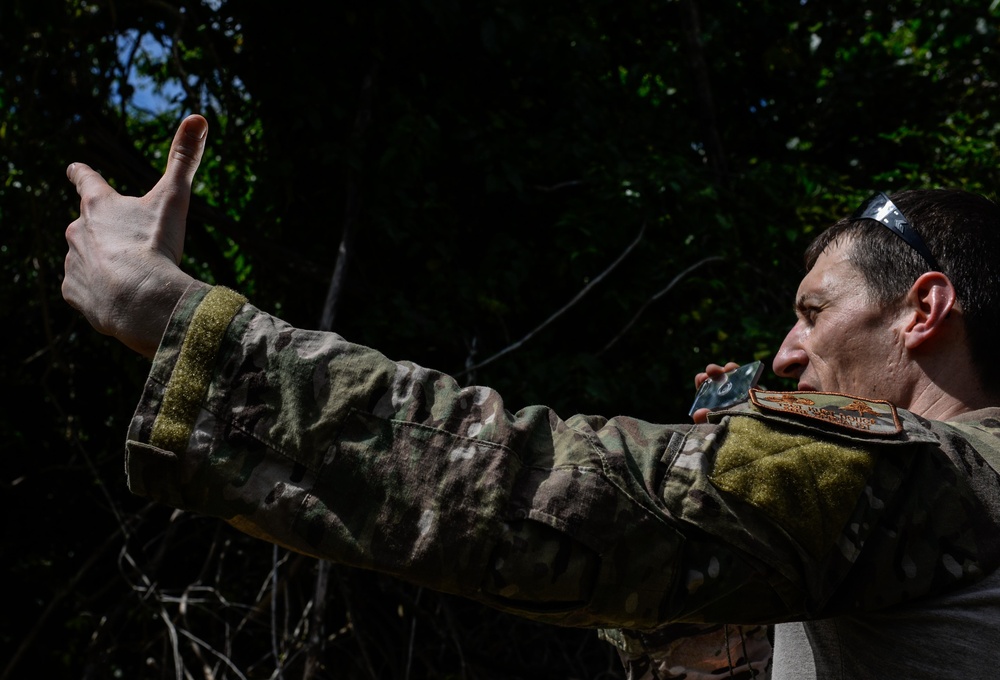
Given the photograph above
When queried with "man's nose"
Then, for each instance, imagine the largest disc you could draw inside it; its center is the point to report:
(791, 359)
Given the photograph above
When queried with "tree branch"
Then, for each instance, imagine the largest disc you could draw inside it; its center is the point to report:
(673, 282)
(703, 88)
(353, 206)
(579, 296)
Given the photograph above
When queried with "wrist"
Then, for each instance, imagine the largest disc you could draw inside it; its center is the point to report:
(144, 318)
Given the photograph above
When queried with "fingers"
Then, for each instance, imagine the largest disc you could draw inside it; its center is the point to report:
(713, 371)
(700, 416)
(185, 154)
(87, 181)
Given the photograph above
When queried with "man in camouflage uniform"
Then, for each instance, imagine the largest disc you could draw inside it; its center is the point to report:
(861, 513)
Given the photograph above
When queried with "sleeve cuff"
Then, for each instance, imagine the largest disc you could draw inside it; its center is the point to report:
(178, 384)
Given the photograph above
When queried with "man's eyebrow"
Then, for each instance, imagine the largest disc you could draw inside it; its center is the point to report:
(804, 301)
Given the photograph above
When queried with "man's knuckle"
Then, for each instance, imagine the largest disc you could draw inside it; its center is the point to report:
(186, 154)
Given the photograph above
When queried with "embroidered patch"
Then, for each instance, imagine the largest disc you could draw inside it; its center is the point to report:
(842, 410)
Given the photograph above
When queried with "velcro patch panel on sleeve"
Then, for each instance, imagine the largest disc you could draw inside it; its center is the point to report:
(871, 416)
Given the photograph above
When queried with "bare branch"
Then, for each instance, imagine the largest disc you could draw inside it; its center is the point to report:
(413, 635)
(198, 642)
(314, 647)
(673, 282)
(174, 644)
(568, 184)
(274, 613)
(366, 655)
(579, 296)
(703, 90)
(353, 209)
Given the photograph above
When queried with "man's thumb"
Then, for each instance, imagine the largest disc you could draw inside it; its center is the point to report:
(185, 154)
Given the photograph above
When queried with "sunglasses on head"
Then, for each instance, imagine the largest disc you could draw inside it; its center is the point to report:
(885, 212)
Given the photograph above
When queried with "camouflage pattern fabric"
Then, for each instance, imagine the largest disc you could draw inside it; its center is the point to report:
(694, 652)
(760, 516)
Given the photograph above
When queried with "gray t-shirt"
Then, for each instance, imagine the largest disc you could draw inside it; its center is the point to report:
(950, 636)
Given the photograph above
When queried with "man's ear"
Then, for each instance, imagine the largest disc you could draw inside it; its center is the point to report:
(929, 303)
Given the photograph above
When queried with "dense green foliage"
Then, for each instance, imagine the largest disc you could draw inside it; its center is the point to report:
(488, 161)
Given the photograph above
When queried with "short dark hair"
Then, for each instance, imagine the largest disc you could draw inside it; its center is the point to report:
(962, 231)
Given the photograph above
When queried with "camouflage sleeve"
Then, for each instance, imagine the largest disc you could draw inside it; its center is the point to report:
(333, 450)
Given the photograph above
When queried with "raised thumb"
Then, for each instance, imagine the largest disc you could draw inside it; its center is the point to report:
(172, 194)
(185, 155)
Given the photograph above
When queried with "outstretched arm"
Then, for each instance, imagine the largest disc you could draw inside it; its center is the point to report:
(121, 268)
(335, 450)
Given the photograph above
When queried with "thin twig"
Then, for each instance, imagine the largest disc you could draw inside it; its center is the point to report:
(656, 297)
(698, 67)
(568, 184)
(274, 612)
(314, 646)
(413, 634)
(345, 593)
(352, 211)
(444, 608)
(579, 296)
(224, 658)
(174, 645)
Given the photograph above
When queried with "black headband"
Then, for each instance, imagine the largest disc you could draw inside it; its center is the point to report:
(885, 212)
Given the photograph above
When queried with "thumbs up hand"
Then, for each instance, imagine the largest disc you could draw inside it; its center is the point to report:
(121, 268)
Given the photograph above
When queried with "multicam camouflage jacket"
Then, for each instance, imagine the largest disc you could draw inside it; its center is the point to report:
(797, 506)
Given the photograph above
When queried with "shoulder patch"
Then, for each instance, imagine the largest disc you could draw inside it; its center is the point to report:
(871, 416)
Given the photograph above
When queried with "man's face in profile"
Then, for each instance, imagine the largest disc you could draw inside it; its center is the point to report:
(842, 342)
